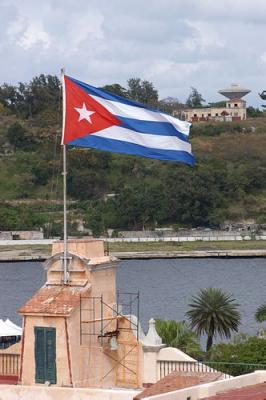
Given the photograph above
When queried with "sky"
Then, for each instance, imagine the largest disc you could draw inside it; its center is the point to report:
(176, 44)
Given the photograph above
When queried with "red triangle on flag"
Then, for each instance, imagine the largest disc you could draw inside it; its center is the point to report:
(83, 114)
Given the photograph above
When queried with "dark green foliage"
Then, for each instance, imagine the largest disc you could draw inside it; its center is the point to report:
(116, 89)
(126, 192)
(85, 178)
(213, 312)
(215, 128)
(19, 218)
(28, 100)
(8, 96)
(179, 335)
(19, 138)
(44, 93)
(139, 90)
(42, 172)
(260, 315)
(253, 112)
(245, 350)
(142, 91)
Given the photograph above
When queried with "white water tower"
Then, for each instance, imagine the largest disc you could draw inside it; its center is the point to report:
(234, 91)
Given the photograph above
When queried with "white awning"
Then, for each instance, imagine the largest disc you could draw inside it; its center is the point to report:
(8, 328)
(12, 325)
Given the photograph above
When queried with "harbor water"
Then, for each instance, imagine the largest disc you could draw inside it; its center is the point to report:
(166, 286)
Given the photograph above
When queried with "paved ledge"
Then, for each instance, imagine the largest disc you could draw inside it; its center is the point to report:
(9, 256)
(188, 254)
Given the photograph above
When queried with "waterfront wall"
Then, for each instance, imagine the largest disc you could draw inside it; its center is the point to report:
(133, 239)
(192, 238)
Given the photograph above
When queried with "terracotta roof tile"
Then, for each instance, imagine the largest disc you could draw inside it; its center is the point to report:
(253, 392)
(54, 300)
(178, 380)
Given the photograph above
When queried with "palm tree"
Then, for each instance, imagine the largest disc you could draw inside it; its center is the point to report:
(179, 335)
(260, 315)
(213, 312)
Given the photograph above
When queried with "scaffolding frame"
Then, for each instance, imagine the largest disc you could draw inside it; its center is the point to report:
(117, 312)
(103, 323)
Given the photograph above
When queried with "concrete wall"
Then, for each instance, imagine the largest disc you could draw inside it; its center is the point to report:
(28, 356)
(151, 359)
(10, 392)
(194, 238)
(82, 247)
(73, 363)
(13, 349)
(186, 235)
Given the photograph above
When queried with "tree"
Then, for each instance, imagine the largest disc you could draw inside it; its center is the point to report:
(236, 357)
(142, 91)
(260, 315)
(194, 99)
(44, 93)
(29, 99)
(253, 112)
(177, 334)
(213, 312)
(8, 95)
(170, 105)
(116, 89)
(20, 138)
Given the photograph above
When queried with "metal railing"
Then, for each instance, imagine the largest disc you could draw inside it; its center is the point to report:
(9, 364)
(228, 369)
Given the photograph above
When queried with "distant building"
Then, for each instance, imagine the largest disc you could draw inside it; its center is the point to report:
(21, 235)
(234, 110)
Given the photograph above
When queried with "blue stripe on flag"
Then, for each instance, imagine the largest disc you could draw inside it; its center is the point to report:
(118, 146)
(152, 127)
(109, 96)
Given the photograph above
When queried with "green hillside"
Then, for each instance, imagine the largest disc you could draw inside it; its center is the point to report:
(125, 192)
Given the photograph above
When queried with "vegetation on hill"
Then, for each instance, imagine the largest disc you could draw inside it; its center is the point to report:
(117, 191)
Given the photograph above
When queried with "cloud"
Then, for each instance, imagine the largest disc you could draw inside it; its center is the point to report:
(33, 35)
(176, 44)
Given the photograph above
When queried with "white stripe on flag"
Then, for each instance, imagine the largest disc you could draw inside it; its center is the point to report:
(142, 139)
(127, 111)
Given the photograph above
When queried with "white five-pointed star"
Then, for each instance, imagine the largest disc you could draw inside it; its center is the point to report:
(84, 113)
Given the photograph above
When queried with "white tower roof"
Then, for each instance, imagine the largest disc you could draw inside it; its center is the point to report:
(234, 91)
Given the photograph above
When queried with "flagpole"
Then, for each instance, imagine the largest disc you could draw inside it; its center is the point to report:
(64, 173)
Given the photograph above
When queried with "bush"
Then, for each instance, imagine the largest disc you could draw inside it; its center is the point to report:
(247, 350)
(19, 138)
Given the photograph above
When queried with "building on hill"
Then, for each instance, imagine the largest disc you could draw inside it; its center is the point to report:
(234, 109)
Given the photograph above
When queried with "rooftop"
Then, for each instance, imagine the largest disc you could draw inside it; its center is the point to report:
(254, 392)
(59, 300)
(179, 380)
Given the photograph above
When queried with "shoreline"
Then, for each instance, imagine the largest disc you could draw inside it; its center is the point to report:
(40, 250)
(15, 256)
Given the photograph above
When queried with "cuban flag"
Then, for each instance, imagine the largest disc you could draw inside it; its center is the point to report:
(100, 120)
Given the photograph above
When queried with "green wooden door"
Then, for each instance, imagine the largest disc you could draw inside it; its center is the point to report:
(45, 355)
